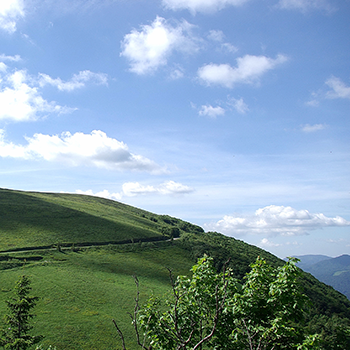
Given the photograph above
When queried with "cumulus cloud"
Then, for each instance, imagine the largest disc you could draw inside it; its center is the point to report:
(305, 5)
(78, 80)
(210, 111)
(206, 6)
(312, 128)
(338, 88)
(249, 70)
(20, 99)
(21, 94)
(10, 12)
(275, 220)
(150, 48)
(95, 149)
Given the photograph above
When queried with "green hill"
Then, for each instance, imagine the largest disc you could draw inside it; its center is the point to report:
(81, 252)
(31, 219)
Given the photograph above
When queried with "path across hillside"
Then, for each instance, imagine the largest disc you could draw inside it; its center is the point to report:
(85, 244)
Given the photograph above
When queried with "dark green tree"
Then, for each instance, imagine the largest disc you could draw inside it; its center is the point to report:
(15, 335)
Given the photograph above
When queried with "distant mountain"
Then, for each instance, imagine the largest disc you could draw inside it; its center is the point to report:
(308, 260)
(332, 271)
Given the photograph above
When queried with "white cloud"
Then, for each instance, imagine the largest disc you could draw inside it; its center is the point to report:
(275, 220)
(3, 67)
(227, 47)
(339, 89)
(151, 47)
(210, 111)
(239, 105)
(176, 73)
(312, 128)
(95, 149)
(10, 12)
(21, 96)
(78, 80)
(305, 5)
(205, 6)
(265, 243)
(216, 35)
(131, 189)
(15, 58)
(249, 70)
(20, 99)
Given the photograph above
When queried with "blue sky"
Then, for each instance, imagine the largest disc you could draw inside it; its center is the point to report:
(231, 114)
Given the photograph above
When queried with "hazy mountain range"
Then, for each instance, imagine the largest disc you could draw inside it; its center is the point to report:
(332, 271)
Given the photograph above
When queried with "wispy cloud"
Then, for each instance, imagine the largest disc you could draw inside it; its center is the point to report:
(210, 111)
(238, 104)
(207, 6)
(15, 58)
(78, 81)
(312, 128)
(133, 189)
(150, 48)
(10, 12)
(266, 243)
(306, 5)
(218, 37)
(338, 88)
(275, 220)
(167, 188)
(95, 149)
(249, 70)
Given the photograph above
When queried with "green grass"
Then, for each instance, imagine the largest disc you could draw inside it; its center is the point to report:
(81, 292)
(30, 219)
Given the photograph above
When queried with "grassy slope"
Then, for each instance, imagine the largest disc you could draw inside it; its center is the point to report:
(37, 219)
(82, 291)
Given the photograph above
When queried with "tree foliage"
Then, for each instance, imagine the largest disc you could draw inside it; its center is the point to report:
(214, 310)
(15, 335)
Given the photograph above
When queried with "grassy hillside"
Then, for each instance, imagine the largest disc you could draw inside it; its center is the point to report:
(82, 288)
(29, 219)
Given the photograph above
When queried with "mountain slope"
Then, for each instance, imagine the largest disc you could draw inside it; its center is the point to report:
(334, 272)
(308, 260)
(82, 289)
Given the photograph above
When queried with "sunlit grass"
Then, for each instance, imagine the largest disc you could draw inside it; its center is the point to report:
(81, 292)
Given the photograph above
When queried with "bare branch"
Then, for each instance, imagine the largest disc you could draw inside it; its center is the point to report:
(120, 334)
